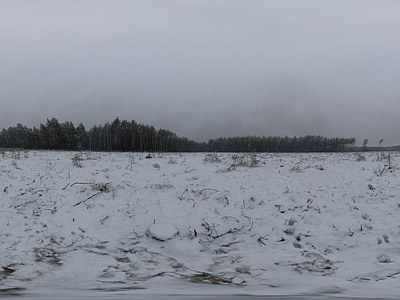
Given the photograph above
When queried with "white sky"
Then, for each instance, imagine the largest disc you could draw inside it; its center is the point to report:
(205, 69)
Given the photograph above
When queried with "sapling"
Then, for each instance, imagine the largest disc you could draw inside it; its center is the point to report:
(78, 157)
(172, 161)
(76, 160)
(360, 157)
(212, 158)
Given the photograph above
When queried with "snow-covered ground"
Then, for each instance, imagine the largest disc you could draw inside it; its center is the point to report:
(197, 223)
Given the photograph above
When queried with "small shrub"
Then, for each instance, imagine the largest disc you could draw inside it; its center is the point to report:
(360, 157)
(388, 164)
(289, 231)
(254, 160)
(172, 161)
(296, 169)
(101, 187)
(76, 159)
(243, 270)
(209, 278)
(165, 185)
(212, 158)
(239, 160)
(7, 271)
(246, 160)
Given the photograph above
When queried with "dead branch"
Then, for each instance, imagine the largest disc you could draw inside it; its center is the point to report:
(305, 235)
(205, 189)
(226, 217)
(128, 184)
(227, 200)
(231, 243)
(193, 232)
(209, 228)
(102, 220)
(233, 166)
(385, 238)
(81, 183)
(229, 231)
(80, 202)
(77, 183)
(261, 238)
(65, 186)
(251, 226)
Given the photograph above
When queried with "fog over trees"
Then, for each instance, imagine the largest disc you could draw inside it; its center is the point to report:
(123, 135)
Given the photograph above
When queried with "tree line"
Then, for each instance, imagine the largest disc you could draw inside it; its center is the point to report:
(123, 135)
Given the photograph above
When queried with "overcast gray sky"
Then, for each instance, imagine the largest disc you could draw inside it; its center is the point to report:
(205, 68)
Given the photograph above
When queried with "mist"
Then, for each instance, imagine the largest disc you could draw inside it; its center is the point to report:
(205, 69)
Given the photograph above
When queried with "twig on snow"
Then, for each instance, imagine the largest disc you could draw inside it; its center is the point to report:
(209, 228)
(251, 226)
(128, 184)
(77, 183)
(102, 220)
(260, 241)
(80, 202)
(231, 243)
(261, 238)
(65, 186)
(81, 183)
(229, 231)
(226, 217)
(205, 189)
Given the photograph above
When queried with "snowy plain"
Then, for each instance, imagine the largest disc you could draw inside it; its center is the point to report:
(123, 225)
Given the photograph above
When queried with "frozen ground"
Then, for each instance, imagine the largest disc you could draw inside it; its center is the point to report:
(261, 224)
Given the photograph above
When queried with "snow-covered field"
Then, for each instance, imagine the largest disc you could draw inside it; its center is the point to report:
(200, 223)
